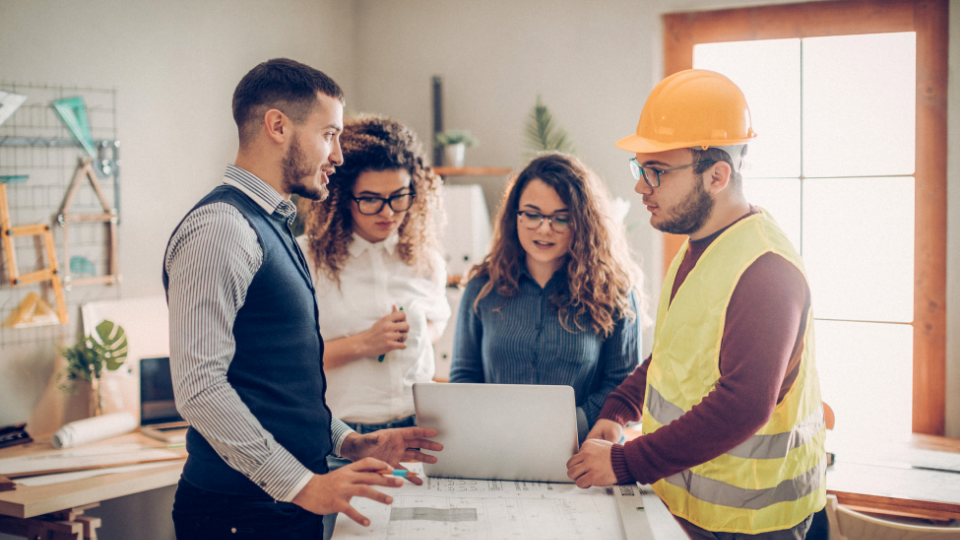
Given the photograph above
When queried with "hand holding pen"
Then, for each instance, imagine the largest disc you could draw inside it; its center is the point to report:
(389, 333)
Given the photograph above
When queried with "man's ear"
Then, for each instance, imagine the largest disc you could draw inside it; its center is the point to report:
(277, 125)
(719, 175)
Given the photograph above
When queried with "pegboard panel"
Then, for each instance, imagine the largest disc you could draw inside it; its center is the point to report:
(35, 142)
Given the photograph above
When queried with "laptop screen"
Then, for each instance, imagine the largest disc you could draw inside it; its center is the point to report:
(157, 405)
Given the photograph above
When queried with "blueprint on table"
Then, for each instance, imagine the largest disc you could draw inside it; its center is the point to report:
(489, 510)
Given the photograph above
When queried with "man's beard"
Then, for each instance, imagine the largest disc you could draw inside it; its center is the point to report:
(297, 174)
(690, 215)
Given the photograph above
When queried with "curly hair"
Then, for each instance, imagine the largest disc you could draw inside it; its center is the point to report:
(600, 273)
(375, 143)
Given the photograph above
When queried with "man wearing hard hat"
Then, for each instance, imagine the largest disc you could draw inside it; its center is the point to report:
(729, 399)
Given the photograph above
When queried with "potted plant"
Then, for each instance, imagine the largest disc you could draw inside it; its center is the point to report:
(454, 143)
(87, 360)
(544, 134)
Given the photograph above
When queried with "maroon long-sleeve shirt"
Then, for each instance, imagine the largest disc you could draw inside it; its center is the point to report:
(759, 360)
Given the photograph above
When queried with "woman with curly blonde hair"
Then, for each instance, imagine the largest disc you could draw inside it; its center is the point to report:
(380, 280)
(555, 302)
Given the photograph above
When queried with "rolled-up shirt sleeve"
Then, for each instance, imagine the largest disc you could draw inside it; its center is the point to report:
(211, 262)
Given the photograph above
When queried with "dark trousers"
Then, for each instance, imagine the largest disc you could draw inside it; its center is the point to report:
(798, 532)
(202, 515)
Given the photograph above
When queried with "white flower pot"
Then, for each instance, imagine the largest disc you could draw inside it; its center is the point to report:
(453, 155)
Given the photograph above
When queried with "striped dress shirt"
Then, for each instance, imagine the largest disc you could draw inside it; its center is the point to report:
(211, 261)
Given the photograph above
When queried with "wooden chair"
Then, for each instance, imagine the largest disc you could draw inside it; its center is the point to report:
(846, 524)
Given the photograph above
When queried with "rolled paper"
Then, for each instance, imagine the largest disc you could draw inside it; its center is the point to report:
(93, 429)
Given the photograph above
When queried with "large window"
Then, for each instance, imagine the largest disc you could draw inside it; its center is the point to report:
(851, 162)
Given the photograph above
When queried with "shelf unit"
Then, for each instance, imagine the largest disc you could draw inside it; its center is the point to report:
(472, 171)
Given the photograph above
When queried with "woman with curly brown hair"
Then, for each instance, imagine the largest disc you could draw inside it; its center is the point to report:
(372, 250)
(555, 302)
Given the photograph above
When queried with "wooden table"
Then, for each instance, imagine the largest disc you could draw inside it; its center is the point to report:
(55, 510)
(886, 477)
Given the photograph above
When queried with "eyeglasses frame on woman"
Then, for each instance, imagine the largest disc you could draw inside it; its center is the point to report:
(560, 229)
(384, 201)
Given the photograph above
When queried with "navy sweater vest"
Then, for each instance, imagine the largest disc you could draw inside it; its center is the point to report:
(277, 368)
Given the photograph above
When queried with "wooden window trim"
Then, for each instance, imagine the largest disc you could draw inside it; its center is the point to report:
(929, 19)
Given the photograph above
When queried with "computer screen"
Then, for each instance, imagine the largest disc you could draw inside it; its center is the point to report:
(157, 405)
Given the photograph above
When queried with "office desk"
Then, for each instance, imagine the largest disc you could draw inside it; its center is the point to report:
(59, 506)
(884, 477)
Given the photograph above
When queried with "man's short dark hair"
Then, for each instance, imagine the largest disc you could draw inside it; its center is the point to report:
(706, 158)
(282, 84)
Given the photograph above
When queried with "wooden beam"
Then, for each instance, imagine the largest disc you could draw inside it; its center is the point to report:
(930, 20)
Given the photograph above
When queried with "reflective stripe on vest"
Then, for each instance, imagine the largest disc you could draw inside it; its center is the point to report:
(717, 492)
(773, 446)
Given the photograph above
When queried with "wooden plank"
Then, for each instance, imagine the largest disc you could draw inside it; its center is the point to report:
(8, 247)
(28, 474)
(898, 506)
(29, 501)
(86, 218)
(930, 246)
(472, 171)
(96, 280)
(33, 277)
(809, 19)
(27, 230)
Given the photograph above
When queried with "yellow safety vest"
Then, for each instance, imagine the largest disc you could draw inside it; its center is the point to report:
(775, 479)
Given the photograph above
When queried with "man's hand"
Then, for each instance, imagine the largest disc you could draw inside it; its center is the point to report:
(331, 492)
(592, 465)
(606, 430)
(393, 446)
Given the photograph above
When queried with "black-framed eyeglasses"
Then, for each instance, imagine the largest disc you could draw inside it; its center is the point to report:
(370, 206)
(532, 220)
(651, 175)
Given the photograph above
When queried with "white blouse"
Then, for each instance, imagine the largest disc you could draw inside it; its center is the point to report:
(372, 280)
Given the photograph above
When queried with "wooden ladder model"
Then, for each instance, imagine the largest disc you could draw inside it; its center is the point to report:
(51, 273)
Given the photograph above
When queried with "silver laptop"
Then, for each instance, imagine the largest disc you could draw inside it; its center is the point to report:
(499, 431)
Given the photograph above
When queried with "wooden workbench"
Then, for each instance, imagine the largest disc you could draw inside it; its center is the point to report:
(58, 508)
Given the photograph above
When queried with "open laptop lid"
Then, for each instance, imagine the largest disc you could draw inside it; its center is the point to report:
(157, 405)
(499, 431)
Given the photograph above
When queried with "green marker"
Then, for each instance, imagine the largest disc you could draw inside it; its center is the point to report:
(382, 356)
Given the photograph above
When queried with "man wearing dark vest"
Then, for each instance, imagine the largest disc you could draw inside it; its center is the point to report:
(245, 349)
(729, 398)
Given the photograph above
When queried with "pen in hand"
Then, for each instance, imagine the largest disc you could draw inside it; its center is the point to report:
(402, 473)
(384, 355)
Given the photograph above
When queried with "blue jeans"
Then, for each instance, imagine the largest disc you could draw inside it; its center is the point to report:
(409, 421)
(202, 515)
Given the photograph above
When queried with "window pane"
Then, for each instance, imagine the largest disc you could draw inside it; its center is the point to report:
(768, 72)
(866, 374)
(781, 198)
(858, 247)
(859, 105)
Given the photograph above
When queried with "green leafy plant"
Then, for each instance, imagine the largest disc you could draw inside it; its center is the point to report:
(543, 134)
(455, 136)
(87, 360)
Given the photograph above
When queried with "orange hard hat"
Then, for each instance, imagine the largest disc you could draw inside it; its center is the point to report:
(691, 108)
